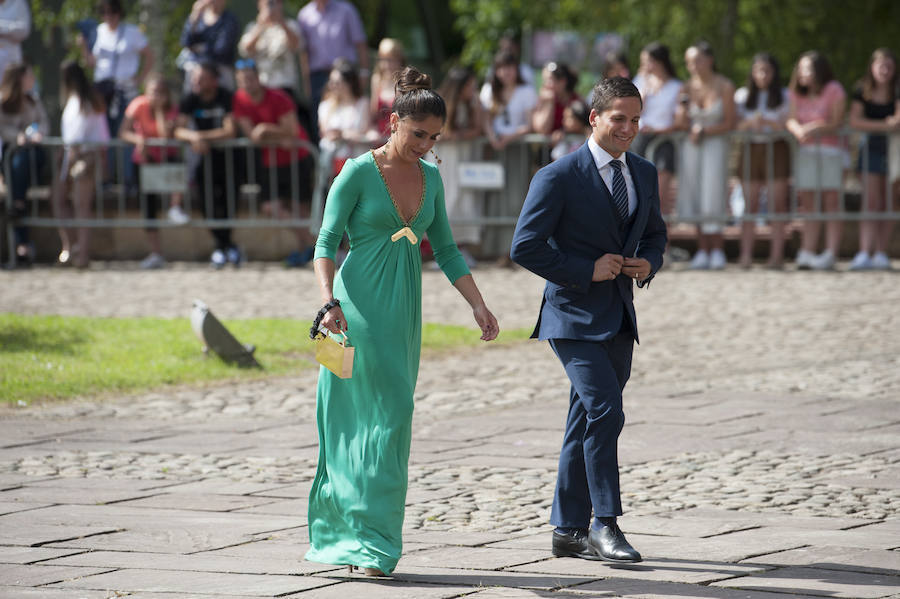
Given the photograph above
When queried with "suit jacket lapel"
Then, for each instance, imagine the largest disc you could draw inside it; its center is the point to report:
(596, 189)
(640, 217)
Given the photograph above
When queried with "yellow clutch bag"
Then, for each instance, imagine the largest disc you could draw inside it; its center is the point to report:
(336, 357)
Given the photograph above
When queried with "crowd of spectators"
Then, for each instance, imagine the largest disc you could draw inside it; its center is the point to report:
(286, 79)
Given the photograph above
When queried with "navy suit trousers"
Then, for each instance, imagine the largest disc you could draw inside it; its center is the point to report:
(588, 462)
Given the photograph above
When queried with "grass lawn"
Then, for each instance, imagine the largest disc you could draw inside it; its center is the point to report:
(59, 357)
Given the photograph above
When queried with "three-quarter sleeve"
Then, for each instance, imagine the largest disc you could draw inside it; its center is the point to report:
(342, 199)
(446, 254)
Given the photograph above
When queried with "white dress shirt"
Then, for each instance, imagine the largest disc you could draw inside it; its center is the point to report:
(602, 160)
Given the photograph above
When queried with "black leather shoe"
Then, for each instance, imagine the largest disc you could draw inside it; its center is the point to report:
(573, 545)
(609, 543)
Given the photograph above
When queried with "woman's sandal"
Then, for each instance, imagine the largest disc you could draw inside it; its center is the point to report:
(367, 571)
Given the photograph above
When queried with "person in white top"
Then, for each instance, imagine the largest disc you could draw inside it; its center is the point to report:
(762, 107)
(509, 103)
(83, 122)
(15, 26)
(709, 116)
(273, 42)
(660, 90)
(343, 116)
(121, 60)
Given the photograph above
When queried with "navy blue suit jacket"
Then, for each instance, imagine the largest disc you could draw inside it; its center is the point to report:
(566, 223)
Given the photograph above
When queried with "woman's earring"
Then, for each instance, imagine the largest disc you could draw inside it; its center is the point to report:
(436, 157)
(384, 150)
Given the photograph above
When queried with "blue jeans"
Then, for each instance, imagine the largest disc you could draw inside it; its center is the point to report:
(26, 164)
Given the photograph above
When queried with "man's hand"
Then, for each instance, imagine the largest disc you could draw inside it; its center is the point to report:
(607, 267)
(636, 268)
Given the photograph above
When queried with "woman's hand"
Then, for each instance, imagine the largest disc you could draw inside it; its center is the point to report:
(489, 327)
(335, 321)
(140, 146)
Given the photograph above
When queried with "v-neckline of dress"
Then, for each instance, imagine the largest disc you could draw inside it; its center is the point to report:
(391, 195)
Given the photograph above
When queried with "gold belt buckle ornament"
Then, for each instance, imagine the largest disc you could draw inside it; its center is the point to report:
(405, 232)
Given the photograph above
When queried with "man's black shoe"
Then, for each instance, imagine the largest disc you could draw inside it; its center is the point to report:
(609, 544)
(573, 544)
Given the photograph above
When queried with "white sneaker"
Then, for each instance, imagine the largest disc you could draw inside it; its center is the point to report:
(717, 260)
(700, 261)
(153, 261)
(805, 259)
(861, 261)
(217, 259)
(178, 216)
(824, 261)
(880, 261)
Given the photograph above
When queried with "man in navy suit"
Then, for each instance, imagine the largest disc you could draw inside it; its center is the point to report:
(591, 226)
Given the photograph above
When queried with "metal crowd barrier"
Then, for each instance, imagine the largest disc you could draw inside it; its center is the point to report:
(501, 177)
(119, 202)
(854, 148)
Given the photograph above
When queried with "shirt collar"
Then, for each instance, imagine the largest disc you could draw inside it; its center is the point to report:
(601, 156)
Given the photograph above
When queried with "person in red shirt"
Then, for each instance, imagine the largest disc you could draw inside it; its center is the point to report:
(152, 116)
(269, 118)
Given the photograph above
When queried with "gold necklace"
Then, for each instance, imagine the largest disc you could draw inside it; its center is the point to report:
(391, 195)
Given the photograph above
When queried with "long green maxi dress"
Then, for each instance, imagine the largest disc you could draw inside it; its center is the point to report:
(356, 504)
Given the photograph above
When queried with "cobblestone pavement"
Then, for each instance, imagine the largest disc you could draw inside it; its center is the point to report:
(760, 457)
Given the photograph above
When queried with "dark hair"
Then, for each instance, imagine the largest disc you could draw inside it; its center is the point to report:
(210, 67)
(608, 90)
(414, 97)
(451, 90)
(349, 75)
(12, 95)
(612, 58)
(113, 6)
(868, 81)
(822, 73)
(660, 53)
(163, 83)
(560, 70)
(502, 59)
(74, 80)
(580, 111)
(775, 96)
(705, 48)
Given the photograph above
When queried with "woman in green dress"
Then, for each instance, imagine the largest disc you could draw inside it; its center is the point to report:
(385, 200)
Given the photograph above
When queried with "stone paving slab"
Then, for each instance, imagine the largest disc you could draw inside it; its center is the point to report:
(474, 577)
(198, 562)
(180, 581)
(15, 592)
(483, 558)
(30, 555)
(33, 535)
(669, 590)
(388, 589)
(830, 557)
(825, 583)
(201, 502)
(29, 575)
(682, 570)
(10, 507)
(749, 519)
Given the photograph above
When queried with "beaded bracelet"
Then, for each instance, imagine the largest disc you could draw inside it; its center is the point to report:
(314, 330)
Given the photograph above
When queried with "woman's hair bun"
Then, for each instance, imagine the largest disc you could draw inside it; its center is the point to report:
(410, 79)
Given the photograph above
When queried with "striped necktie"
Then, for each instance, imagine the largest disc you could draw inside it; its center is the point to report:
(619, 190)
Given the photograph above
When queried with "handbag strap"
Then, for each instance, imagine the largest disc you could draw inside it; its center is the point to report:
(120, 31)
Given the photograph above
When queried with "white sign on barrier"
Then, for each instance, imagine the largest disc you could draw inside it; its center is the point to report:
(481, 175)
(163, 178)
